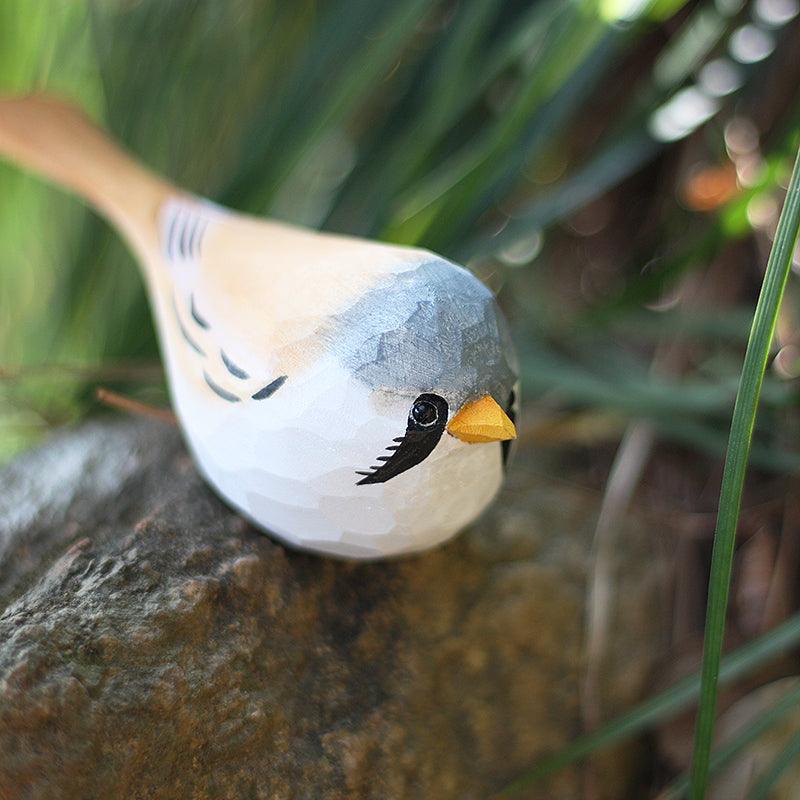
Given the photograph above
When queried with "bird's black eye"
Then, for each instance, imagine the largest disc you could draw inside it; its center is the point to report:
(424, 413)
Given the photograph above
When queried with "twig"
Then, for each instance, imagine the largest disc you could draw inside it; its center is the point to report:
(128, 404)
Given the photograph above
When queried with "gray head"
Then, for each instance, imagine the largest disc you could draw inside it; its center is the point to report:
(432, 328)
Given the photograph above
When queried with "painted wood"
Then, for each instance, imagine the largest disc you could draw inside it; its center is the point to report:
(350, 397)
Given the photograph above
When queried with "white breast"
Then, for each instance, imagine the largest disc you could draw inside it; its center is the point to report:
(289, 465)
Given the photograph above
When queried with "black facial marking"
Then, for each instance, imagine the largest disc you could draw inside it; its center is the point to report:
(270, 388)
(224, 394)
(234, 370)
(512, 415)
(426, 423)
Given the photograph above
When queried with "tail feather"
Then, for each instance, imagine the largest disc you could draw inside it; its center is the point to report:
(57, 140)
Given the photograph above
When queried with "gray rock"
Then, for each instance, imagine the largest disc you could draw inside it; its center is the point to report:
(154, 645)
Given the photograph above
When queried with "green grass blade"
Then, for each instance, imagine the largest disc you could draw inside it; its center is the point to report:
(604, 171)
(665, 705)
(501, 172)
(706, 438)
(455, 66)
(631, 390)
(628, 145)
(763, 788)
(369, 56)
(742, 425)
(460, 176)
(730, 749)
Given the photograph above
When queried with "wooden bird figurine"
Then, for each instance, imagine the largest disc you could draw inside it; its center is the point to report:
(349, 397)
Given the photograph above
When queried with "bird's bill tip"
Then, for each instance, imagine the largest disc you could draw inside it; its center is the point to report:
(482, 420)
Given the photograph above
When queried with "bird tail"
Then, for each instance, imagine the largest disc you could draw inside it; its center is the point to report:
(57, 140)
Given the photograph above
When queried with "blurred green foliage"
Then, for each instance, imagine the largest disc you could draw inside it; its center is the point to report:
(478, 128)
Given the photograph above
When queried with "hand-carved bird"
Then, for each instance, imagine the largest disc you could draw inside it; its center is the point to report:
(349, 397)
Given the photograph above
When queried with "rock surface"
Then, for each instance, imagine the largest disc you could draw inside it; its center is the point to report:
(153, 645)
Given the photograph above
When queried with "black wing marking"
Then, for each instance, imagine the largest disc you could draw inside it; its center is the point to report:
(188, 339)
(217, 389)
(186, 227)
(413, 448)
(270, 388)
(234, 369)
(195, 315)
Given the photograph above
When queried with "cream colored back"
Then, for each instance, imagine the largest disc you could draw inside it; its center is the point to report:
(266, 282)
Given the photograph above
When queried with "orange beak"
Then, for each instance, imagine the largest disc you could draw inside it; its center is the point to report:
(482, 421)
